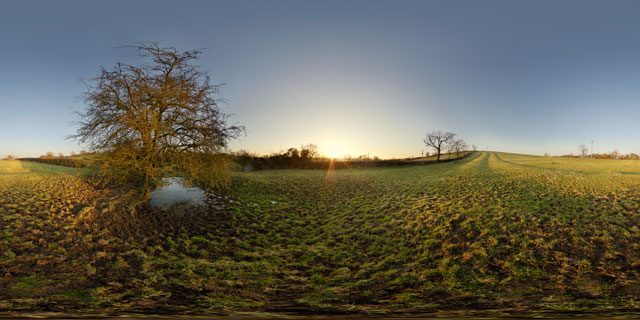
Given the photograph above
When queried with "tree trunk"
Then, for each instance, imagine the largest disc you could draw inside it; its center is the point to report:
(438, 158)
(146, 188)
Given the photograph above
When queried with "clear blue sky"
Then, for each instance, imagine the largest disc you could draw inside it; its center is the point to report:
(354, 77)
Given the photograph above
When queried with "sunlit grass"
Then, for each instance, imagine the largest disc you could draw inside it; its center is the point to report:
(12, 166)
(574, 164)
(492, 230)
(17, 166)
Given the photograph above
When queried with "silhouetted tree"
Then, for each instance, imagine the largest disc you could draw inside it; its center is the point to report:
(583, 150)
(438, 139)
(158, 116)
(293, 153)
(458, 146)
(308, 151)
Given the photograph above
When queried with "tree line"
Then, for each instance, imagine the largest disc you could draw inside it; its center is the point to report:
(306, 157)
(613, 155)
(292, 158)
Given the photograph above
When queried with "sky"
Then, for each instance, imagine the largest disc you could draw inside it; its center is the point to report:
(353, 77)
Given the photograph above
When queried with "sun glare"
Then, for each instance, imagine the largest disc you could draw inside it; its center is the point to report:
(335, 151)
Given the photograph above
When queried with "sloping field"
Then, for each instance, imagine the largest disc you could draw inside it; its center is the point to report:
(492, 230)
(443, 156)
(574, 165)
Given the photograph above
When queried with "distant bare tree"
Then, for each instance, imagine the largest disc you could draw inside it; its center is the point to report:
(309, 151)
(451, 147)
(437, 140)
(474, 147)
(614, 154)
(161, 116)
(459, 145)
(583, 150)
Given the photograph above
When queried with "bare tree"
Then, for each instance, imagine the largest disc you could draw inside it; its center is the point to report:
(438, 139)
(160, 116)
(474, 147)
(583, 150)
(309, 151)
(451, 147)
(614, 154)
(459, 145)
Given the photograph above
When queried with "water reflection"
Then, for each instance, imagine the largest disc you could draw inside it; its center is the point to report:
(173, 191)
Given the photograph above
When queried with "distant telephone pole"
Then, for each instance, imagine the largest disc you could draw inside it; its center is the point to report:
(591, 149)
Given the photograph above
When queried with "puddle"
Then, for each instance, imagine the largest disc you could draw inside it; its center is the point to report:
(173, 192)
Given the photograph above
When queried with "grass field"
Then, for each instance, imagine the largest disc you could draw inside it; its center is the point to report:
(443, 156)
(16, 166)
(493, 230)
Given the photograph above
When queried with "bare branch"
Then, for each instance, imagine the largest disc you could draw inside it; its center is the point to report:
(161, 114)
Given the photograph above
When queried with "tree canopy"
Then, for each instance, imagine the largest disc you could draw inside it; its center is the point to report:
(156, 118)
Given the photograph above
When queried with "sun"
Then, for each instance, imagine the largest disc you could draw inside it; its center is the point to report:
(334, 151)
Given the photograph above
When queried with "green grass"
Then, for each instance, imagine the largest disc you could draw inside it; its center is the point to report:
(490, 228)
(573, 164)
(21, 167)
(493, 230)
(443, 156)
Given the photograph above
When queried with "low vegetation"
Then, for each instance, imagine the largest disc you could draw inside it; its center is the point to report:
(492, 230)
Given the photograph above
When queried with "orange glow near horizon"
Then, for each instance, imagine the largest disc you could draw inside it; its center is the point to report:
(334, 151)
